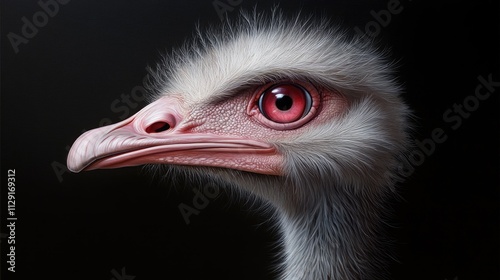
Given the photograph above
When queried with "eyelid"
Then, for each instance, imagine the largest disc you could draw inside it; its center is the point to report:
(253, 109)
(307, 95)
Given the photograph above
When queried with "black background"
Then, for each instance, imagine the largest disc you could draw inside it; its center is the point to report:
(89, 225)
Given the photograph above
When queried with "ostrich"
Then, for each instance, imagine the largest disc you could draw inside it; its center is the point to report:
(301, 116)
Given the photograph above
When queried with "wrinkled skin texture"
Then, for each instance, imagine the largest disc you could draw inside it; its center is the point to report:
(325, 175)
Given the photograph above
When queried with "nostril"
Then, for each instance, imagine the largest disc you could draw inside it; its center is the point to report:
(158, 127)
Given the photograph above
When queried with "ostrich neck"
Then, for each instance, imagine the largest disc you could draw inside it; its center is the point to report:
(337, 238)
(329, 232)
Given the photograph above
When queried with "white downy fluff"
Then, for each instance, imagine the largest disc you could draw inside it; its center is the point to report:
(330, 204)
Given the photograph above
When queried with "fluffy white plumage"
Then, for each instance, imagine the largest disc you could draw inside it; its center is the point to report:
(337, 175)
(331, 200)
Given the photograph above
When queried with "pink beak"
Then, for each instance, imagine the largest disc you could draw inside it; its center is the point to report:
(154, 135)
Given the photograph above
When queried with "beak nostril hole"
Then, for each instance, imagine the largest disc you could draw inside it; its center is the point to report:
(158, 127)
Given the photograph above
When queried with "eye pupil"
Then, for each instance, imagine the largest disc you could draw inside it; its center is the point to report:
(283, 102)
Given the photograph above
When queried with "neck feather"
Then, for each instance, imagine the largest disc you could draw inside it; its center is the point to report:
(336, 238)
(328, 231)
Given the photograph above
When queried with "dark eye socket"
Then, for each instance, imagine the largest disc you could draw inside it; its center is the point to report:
(285, 103)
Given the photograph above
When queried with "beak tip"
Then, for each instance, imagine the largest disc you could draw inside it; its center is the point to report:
(73, 170)
(71, 166)
(74, 162)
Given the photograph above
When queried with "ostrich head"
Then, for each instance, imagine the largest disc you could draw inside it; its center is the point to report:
(292, 112)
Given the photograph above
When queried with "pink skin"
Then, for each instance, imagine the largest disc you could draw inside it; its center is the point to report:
(231, 134)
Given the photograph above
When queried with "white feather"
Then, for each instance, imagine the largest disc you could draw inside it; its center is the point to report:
(330, 203)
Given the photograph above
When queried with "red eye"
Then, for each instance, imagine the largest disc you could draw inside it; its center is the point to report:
(285, 103)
